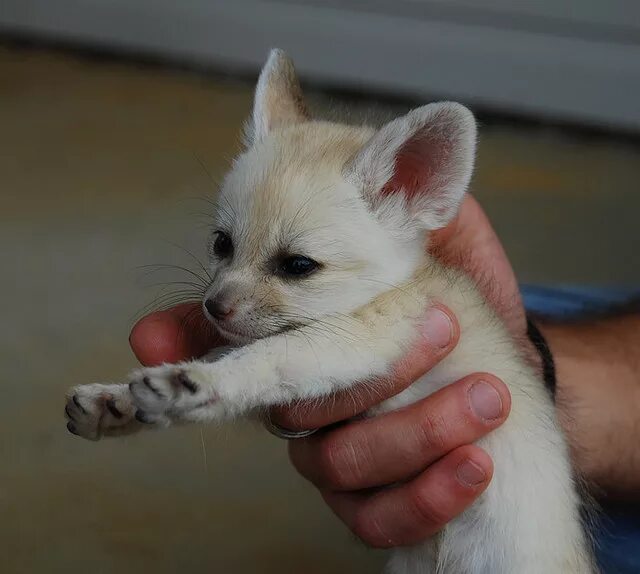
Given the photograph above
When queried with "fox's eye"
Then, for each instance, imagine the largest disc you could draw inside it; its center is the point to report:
(222, 245)
(297, 266)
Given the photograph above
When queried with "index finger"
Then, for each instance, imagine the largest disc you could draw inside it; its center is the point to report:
(438, 336)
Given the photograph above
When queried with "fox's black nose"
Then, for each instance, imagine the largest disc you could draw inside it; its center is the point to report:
(219, 310)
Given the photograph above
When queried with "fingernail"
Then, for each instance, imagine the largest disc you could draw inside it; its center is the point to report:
(485, 401)
(470, 474)
(437, 328)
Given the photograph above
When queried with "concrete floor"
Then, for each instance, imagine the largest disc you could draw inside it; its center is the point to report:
(100, 163)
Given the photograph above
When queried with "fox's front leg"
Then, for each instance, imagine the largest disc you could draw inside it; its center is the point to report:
(301, 364)
(101, 410)
(158, 395)
(98, 410)
(305, 363)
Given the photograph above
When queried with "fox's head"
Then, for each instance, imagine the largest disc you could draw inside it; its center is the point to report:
(318, 218)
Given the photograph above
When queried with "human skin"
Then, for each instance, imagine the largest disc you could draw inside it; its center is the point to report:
(425, 450)
(598, 398)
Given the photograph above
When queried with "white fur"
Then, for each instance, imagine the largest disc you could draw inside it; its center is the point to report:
(347, 198)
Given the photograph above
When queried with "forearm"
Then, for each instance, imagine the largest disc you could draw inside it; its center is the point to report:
(598, 398)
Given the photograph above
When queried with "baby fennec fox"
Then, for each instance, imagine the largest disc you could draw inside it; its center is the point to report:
(320, 278)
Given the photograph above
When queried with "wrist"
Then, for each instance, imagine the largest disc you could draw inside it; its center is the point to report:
(597, 390)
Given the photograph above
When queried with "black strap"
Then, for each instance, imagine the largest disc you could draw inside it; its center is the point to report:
(548, 364)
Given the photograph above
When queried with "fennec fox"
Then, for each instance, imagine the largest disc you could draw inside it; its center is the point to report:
(320, 280)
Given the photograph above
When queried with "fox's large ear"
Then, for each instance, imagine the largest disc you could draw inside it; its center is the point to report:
(278, 99)
(425, 158)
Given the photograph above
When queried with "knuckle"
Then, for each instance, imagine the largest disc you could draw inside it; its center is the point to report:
(369, 530)
(338, 462)
(434, 432)
(429, 511)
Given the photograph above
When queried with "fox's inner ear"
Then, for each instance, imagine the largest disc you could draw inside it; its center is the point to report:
(278, 99)
(425, 157)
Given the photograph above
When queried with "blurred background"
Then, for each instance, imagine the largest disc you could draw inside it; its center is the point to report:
(117, 119)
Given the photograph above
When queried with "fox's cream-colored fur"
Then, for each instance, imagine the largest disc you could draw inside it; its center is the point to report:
(361, 202)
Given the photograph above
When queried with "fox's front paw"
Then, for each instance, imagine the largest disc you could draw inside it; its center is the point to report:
(170, 392)
(100, 410)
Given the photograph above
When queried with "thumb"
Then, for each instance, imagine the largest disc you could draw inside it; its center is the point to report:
(174, 335)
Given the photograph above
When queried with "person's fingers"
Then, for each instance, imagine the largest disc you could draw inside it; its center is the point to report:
(174, 335)
(438, 336)
(409, 513)
(391, 447)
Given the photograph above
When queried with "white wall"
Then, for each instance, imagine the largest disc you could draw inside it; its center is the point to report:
(577, 60)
